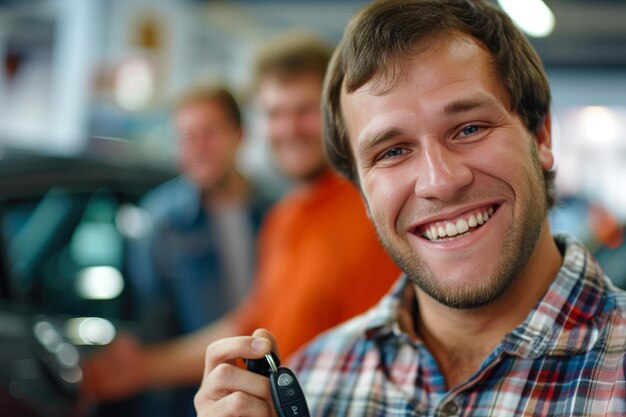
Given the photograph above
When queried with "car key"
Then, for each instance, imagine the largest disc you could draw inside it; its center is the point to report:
(287, 395)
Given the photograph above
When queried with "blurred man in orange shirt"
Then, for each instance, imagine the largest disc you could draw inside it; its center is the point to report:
(319, 259)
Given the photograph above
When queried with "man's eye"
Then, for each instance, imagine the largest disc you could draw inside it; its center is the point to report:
(470, 130)
(393, 152)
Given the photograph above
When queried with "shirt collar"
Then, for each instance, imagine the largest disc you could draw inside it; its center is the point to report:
(566, 320)
(319, 191)
(568, 317)
(384, 318)
(188, 202)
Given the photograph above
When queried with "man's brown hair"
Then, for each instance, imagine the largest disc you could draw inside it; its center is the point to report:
(385, 32)
(292, 55)
(212, 94)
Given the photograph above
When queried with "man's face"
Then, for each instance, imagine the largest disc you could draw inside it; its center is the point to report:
(294, 124)
(208, 143)
(437, 155)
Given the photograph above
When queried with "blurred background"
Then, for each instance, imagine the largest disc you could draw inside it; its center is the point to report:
(77, 72)
(86, 89)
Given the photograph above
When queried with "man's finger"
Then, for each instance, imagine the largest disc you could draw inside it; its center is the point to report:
(236, 404)
(263, 333)
(230, 349)
(225, 379)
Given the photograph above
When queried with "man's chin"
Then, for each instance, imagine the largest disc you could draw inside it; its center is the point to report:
(452, 284)
(203, 181)
(305, 175)
(470, 299)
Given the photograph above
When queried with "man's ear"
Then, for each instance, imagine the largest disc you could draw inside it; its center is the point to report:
(543, 136)
(357, 185)
(367, 210)
(367, 206)
(239, 136)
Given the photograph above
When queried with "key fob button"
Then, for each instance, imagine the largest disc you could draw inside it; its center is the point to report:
(297, 409)
(288, 394)
(285, 380)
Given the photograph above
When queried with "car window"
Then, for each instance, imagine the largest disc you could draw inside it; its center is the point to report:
(65, 251)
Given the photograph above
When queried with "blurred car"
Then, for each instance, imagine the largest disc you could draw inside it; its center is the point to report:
(64, 226)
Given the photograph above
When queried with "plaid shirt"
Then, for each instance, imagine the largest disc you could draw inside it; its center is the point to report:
(565, 359)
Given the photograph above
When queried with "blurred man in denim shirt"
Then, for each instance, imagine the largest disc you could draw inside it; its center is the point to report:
(197, 261)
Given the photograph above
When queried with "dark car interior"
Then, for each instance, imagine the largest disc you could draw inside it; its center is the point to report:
(63, 235)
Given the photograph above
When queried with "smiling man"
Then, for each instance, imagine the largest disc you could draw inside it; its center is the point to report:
(439, 111)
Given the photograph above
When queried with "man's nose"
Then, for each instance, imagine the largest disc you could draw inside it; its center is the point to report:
(442, 172)
(292, 125)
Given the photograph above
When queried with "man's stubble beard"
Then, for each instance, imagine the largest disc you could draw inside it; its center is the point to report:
(309, 176)
(515, 253)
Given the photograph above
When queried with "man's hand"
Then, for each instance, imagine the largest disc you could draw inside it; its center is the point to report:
(230, 391)
(116, 371)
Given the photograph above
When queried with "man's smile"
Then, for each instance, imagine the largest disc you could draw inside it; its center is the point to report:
(456, 226)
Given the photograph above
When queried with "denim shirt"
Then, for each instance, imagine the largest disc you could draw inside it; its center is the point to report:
(176, 270)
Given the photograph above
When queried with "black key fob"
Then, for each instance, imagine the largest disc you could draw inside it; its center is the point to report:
(287, 395)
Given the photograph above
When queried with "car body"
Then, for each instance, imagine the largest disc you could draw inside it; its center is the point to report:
(65, 223)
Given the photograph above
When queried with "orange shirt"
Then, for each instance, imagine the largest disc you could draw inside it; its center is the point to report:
(320, 263)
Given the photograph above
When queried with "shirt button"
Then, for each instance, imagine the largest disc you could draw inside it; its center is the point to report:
(450, 409)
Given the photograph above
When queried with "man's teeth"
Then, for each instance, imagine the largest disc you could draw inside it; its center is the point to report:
(451, 230)
(472, 222)
(458, 228)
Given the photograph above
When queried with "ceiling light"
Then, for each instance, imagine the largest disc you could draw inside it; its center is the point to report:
(99, 283)
(90, 331)
(598, 124)
(135, 84)
(534, 17)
